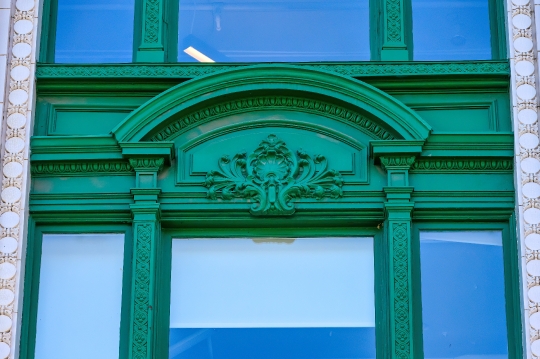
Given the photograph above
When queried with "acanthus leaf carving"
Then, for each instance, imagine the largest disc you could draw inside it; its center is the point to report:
(273, 177)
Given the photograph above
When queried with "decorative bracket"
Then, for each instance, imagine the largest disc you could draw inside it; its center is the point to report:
(273, 177)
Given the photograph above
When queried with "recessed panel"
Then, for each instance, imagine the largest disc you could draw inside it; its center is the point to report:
(343, 155)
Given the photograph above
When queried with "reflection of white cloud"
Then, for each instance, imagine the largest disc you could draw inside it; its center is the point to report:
(490, 238)
(239, 283)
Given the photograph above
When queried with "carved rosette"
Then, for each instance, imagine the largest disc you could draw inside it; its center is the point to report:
(15, 127)
(525, 102)
(273, 177)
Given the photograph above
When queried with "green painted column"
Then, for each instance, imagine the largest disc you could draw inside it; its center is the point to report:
(147, 159)
(398, 209)
(146, 232)
(396, 45)
(152, 45)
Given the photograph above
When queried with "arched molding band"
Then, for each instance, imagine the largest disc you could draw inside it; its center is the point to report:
(153, 120)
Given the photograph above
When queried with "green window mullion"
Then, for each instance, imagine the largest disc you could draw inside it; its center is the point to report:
(396, 32)
(151, 35)
(48, 31)
(497, 20)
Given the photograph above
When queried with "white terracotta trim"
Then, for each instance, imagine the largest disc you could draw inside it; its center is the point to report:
(523, 59)
(16, 128)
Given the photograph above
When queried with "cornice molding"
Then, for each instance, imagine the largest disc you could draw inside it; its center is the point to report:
(45, 169)
(482, 165)
(359, 69)
(272, 103)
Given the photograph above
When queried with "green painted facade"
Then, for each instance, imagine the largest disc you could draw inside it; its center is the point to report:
(139, 149)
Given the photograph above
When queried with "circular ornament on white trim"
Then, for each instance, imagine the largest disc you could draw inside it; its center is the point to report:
(22, 50)
(534, 294)
(535, 347)
(528, 165)
(5, 323)
(531, 190)
(527, 116)
(18, 97)
(9, 219)
(16, 145)
(531, 216)
(520, 2)
(526, 92)
(4, 350)
(11, 194)
(521, 21)
(24, 5)
(13, 169)
(23, 27)
(6, 296)
(7, 270)
(533, 268)
(523, 44)
(524, 68)
(8, 245)
(532, 241)
(527, 140)
(20, 73)
(18, 120)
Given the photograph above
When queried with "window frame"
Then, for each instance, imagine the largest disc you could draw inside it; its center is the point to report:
(379, 255)
(511, 277)
(33, 270)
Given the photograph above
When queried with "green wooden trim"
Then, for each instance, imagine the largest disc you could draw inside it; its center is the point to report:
(32, 274)
(511, 274)
(171, 30)
(356, 69)
(499, 37)
(356, 94)
(152, 45)
(462, 164)
(78, 168)
(48, 31)
(396, 43)
(275, 102)
(30, 294)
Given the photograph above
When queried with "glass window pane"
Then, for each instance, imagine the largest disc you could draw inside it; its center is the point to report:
(273, 30)
(463, 303)
(244, 298)
(94, 31)
(80, 293)
(451, 30)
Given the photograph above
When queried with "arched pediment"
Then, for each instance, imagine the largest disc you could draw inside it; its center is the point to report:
(266, 87)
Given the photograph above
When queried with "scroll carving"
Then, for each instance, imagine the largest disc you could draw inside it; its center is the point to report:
(273, 177)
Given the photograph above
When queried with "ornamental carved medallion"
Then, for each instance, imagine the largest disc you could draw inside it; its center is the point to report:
(273, 177)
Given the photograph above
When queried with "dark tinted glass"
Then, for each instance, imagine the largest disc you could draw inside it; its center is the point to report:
(273, 30)
(94, 31)
(463, 305)
(451, 30)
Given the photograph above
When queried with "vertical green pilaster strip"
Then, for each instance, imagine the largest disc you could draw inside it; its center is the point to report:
(143, 289)
(146, 231)
(152, 47)
(396, 29)
(398, 222)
